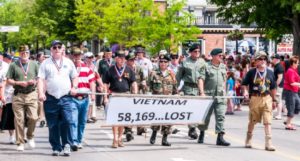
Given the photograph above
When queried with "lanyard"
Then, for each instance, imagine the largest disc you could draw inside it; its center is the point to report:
(120, 72)
(56, 65)
(25, 71)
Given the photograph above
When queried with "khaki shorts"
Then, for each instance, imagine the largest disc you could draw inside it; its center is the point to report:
(260, 108)
(279, 95)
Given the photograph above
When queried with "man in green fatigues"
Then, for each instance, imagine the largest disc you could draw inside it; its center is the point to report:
(188, 71)
(162, 82)
(213, 80)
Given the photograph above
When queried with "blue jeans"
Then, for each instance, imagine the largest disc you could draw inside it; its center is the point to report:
(80, 118)
(59, 116)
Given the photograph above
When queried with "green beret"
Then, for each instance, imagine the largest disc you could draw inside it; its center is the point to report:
(216, 51)
(165, 57)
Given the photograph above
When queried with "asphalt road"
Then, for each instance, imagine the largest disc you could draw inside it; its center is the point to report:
(98, 140)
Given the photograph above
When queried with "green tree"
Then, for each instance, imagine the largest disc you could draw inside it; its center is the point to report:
(273, 17)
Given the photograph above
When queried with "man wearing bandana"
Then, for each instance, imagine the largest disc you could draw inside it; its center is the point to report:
(262, 92)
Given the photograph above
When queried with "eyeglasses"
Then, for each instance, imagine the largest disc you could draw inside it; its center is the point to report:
(162, 61)
(56, 47)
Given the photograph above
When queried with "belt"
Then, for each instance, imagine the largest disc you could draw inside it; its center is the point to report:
(260, 94)
(25, 92)
(81, 97)
(194, 85)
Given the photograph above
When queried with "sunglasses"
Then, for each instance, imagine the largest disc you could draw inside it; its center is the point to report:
(162, 61)
(56, 47)
(261, 59)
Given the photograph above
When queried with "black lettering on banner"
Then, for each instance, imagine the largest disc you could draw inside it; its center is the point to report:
(149, 116)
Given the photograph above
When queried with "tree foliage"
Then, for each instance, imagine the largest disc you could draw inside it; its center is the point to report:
(273, 17)
(131, 23)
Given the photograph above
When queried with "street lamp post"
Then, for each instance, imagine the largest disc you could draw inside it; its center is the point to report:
(236, 30)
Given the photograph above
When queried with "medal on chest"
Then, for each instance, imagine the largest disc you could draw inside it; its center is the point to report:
(119, 72)
(25, 71)
(58, 67)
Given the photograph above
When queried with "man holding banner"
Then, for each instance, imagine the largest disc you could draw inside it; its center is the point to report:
(212, 79)
(119, 79)
(162, 82)
(188, 71)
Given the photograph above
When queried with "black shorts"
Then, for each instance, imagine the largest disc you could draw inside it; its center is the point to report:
(292, 102)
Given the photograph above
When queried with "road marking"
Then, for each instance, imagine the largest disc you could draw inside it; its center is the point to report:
(180, 159)
(109, 134)
(277, 152)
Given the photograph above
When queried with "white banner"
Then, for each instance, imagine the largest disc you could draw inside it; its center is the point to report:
(9, 28)
(149, 110)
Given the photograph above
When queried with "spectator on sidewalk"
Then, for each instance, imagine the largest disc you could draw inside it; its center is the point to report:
(57, 80)
(22, 75)
(291, 86)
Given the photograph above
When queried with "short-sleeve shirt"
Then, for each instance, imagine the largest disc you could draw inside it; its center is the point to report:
(119, 84)
(86, 76)
(58, 83)
(278, 69)
(291, 76)
(257, 86)
(104, 65)
(230, 84)
(9, 90)
(16, 72)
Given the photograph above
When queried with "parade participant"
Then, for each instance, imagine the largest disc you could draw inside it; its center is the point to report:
(119, 79)
(89, 61)
(6, 95)
(278, 73)
(188, 71)
(103, 67)
(86, 84)
(262, 89)
(144, 63)
(162, 82)
(142, 85)
(291, 86)
(57, 80)
(213, 83)
(22, 75)
(40, 58)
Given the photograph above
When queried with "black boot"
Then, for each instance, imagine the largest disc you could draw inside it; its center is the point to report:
(164, 141)
(129, 136)
(201, 137)
(141, 130)
(192, 133)
(221, 141)
(153, 137)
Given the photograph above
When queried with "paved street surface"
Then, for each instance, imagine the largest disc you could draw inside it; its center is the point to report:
(97, 145)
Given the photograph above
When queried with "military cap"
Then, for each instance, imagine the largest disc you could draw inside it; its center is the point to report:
(55, 42)
(8, 56)
(76, 51)
(276, 56)
(23, 48)
(130, 56)
(107, 49)
(165, 57)
(216, 51)
(139, 50)
(120, 54)
(194, 47)
(260, 54)
(174, 56)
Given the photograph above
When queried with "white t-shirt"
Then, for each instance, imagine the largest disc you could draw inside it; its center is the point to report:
(145, 64)
(57, 83)
(9, 90)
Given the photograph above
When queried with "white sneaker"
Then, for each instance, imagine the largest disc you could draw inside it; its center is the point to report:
(79, 146)
(67, 150)
(55, 153)
(20, 147)
(31, 143)
(12, 140)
